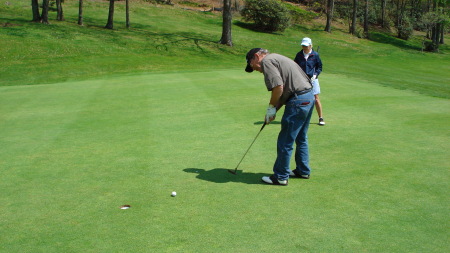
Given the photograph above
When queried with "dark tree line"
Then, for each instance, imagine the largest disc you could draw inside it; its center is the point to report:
(110, 23)
(43, 15)
(405, 16)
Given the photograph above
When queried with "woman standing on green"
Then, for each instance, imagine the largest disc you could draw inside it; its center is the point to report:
(309, 61)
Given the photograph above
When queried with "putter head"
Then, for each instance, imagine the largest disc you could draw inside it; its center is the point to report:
(232, 172)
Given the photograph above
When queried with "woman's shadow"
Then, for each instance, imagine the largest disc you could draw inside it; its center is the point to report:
(222, 175)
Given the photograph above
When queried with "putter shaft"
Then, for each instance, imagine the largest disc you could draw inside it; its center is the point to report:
(235, 170)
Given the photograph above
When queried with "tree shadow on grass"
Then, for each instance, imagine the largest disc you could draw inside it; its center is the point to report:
(221, 175)
(304, 29)
(183, 38)
(388, 39)
(164, 41)
(253, 27)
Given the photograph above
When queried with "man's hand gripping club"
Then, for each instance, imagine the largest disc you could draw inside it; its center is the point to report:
(273, 105)
(270, 114)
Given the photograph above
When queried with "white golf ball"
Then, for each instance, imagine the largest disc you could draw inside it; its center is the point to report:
(174, 194)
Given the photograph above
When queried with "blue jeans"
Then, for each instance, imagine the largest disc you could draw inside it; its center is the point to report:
(294, 128)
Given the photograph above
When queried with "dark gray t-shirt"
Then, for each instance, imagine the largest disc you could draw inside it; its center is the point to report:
(280, 70)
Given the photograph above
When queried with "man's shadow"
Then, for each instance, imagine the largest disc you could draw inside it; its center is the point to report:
(222, 175)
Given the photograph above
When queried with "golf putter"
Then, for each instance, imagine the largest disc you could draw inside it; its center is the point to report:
(235, 170)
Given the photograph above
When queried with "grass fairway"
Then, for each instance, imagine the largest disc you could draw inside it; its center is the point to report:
(73, 152)
(92, 119)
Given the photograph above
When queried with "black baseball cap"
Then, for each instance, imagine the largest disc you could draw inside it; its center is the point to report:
(249, 57)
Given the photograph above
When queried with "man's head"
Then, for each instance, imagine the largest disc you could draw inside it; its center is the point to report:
(254, 57)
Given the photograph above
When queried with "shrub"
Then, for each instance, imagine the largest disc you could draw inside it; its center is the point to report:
(430, 46)
(268, 15)
(405, 29)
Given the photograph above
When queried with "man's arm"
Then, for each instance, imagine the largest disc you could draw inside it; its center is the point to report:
(276, 94)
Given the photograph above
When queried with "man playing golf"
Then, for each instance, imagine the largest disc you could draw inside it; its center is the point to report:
(290, 86)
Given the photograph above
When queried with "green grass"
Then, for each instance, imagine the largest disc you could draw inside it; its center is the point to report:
(74, 152)
(93, 119)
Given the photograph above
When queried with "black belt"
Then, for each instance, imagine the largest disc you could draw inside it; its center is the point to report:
(297, 93)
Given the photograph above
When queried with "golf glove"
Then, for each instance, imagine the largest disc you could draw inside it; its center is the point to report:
(313, 78)
(271, 112)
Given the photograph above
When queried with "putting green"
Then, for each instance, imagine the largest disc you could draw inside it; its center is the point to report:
(73, 153)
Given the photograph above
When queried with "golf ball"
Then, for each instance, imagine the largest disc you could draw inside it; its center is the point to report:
(174, 194)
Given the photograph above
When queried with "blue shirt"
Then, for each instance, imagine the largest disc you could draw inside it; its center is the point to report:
(312, 66)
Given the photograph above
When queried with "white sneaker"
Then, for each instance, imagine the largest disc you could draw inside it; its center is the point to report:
(321, 122)
(274, 181)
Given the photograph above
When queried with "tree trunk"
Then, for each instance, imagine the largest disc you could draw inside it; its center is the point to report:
(401, 9)
(35, 10)
(330, 10)
(366, 19)
(236, 5)
(441, 25)
(110, 24)
(436, 34)
(353, 26)
(80, 13)
(44, 16)
(226, 25)
(60, 13)
(383, 13)
(127, 10)
(433, 34)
